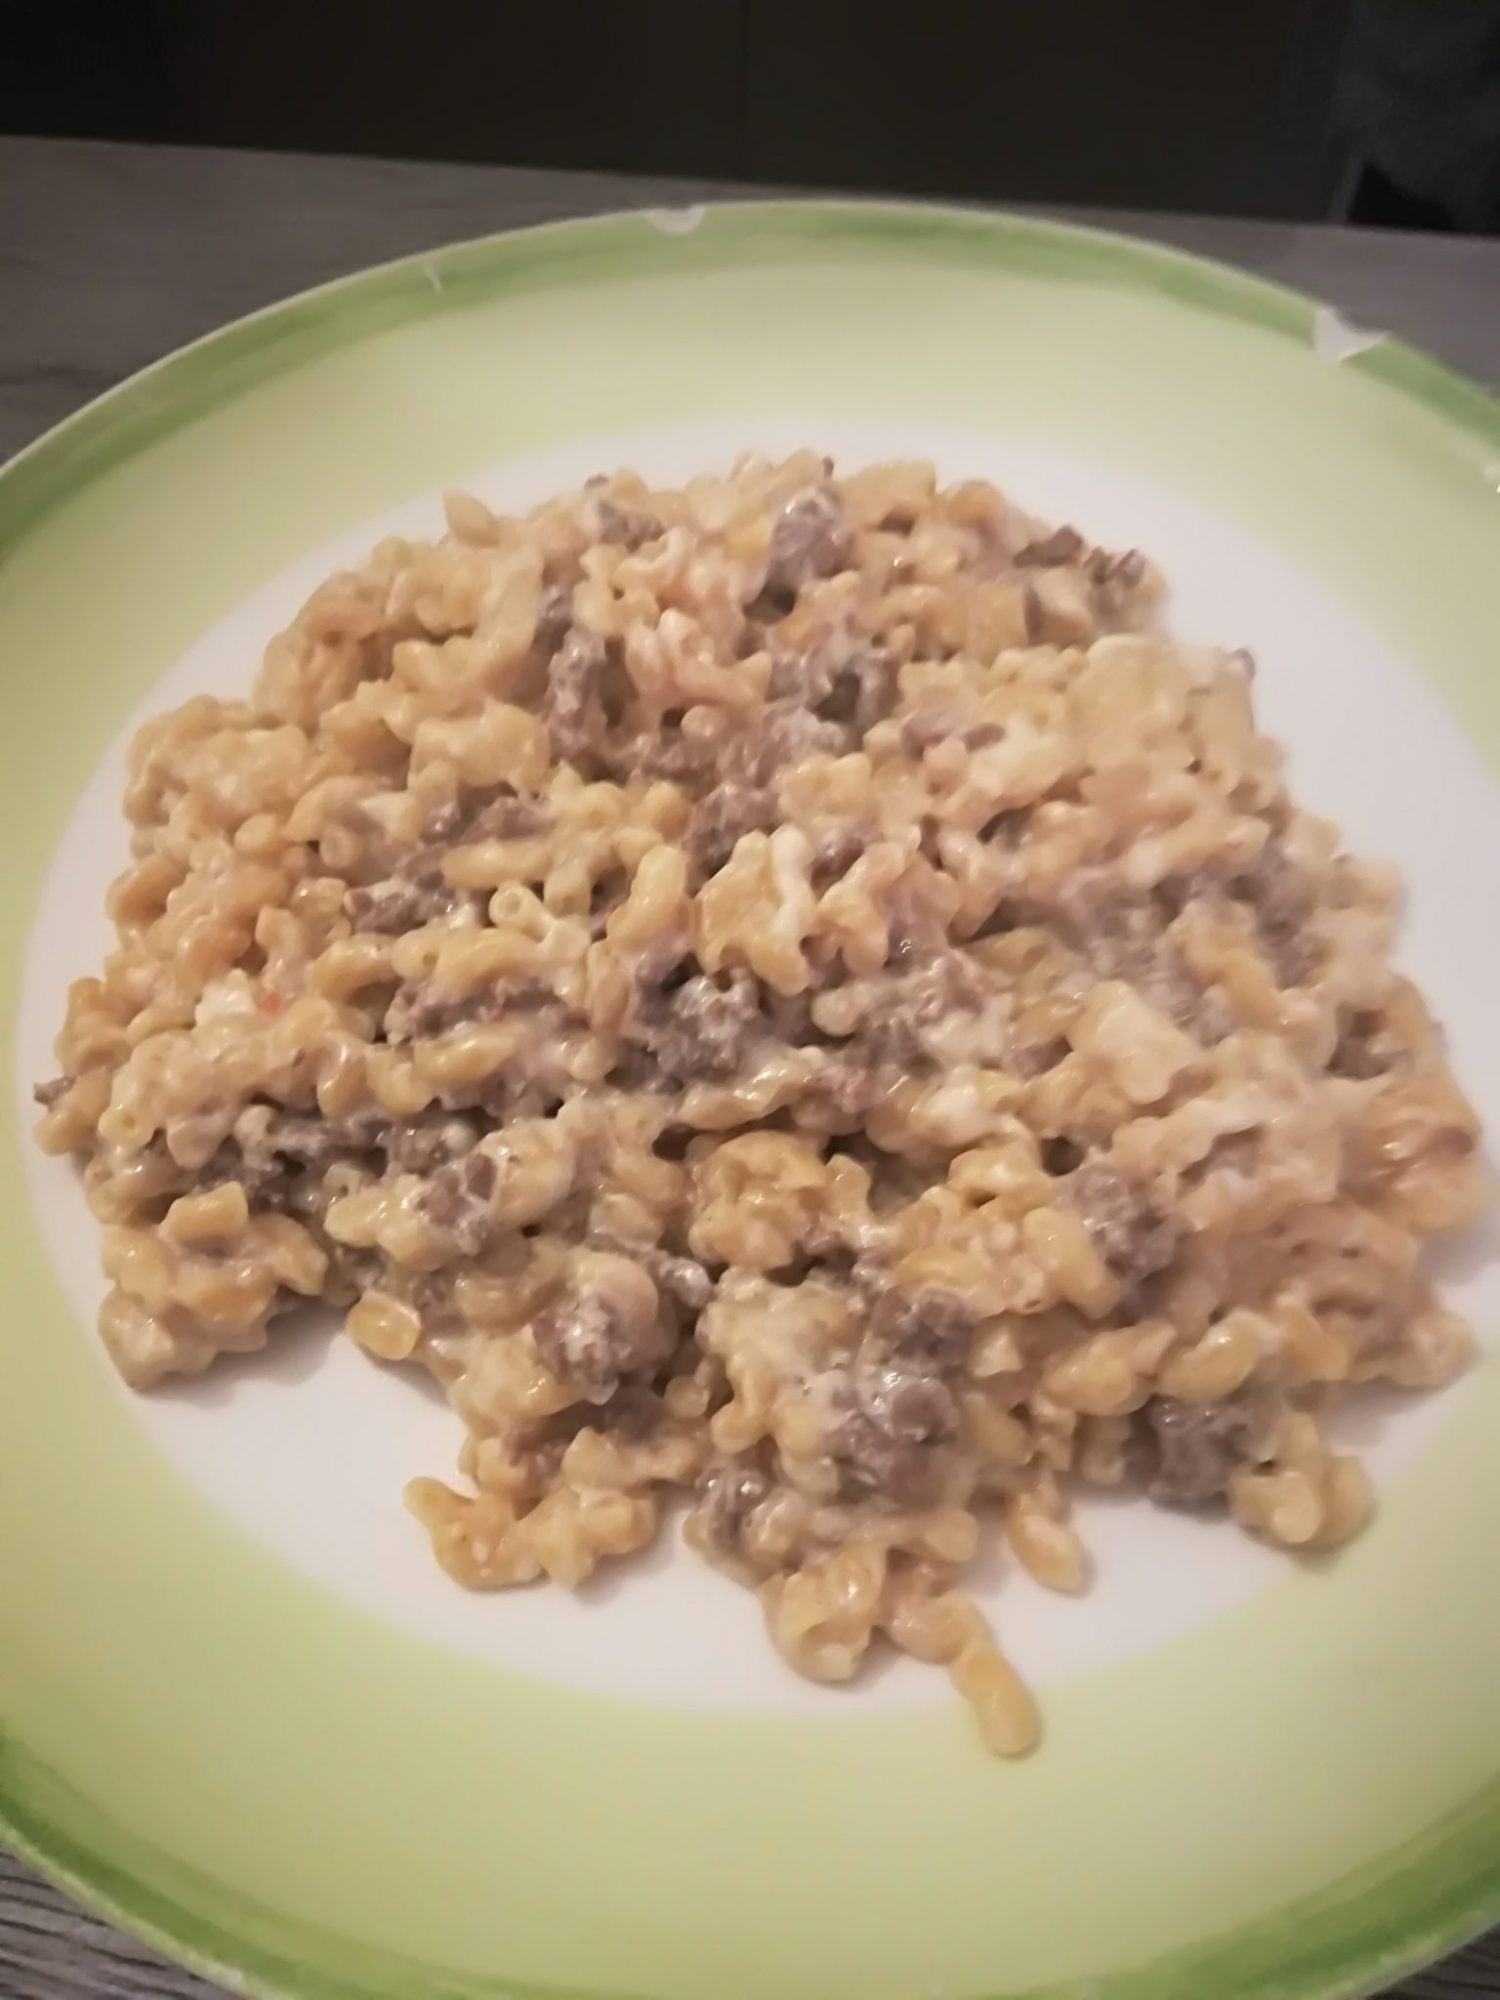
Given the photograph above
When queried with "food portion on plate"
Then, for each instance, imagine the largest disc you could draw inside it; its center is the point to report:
(786, 991)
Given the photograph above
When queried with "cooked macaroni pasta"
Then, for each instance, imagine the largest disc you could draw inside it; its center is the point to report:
(785, 991)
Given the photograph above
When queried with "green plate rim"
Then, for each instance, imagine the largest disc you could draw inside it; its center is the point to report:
(1403, 1911)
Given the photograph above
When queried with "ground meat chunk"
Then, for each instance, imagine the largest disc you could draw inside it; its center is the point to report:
(670, 752)
(267, 1182)
(504, 816)
(810, 539)
(306, 1138)
(900, 1028)
(402, 903)
(417, 1012)
(1282, 899)
(675, 1277)
(588, 1343)
(727, 1495)
(849, 1084)
(443, 822)
(1198, 1445)
(46, 1094)
(835, 853)
(575, 686)
(1134, 1239)
(1115, 578)
(911, 1406)
(1358, 1052)
(1122, 937)
(705, 1027)
(843, 678)
(626, 527)
(926, 1323)
(874, 1464)
(788, 733)
(1175, 893)
(459, 1201)
(864, 688)
(554, 615)
(719, 820)
(280, 1157)
(1063, 545)
(884, 1430)
(427, 1144)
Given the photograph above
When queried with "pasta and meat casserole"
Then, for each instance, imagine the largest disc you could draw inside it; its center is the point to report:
(788, 993)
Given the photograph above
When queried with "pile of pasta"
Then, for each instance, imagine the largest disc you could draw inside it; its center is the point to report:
(787, 993)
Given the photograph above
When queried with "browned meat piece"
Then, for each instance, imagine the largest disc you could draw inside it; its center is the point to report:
(416, 1012)
(671, 753)
(884, 1432)
(704, 1027)
(911, 1406)
(443, 822)
(835, 853)
(553, 618)
(1174, 893)
(1282, 899)
(719, 820)
(1115, 577)
(280, 1157)
(864, 688)
(47, 1094)
(1359, 1052)
(727, 1496)
(307, 1138)
(1121, 936)
(403, 903)
(504, 816)
(629, 527)
(849, 1083)
(431, 1295)
(429, 1143)
(810, 539)
(493, 813)
(1132, 1237)
(458, 1200)
(682, 1279)
(787, 734)
(267, 1182)
(925, 1323)
(1198, 1445)
(575, 686)
(803, 679)
(588, 1343)
(844, 678)
(920, 1001)
(1063, 545)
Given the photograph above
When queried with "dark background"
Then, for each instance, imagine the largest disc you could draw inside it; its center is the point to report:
(1133, 103)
